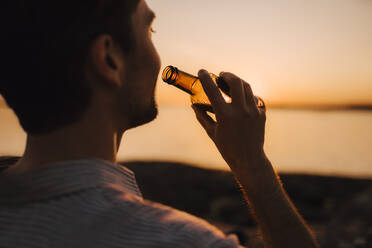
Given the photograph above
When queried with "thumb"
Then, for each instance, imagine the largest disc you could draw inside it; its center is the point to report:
(206, 121)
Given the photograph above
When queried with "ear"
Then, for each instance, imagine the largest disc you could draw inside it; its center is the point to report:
(106, 60)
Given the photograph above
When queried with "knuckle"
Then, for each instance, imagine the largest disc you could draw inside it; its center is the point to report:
(262, 116)
(232, 78)
(247, 86)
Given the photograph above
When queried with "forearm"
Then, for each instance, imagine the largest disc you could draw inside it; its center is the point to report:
(238, 132)
(280, 223)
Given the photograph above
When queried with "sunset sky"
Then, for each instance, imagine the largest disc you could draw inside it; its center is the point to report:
(293, 52)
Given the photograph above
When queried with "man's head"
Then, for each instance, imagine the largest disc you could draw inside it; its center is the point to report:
(60, 58)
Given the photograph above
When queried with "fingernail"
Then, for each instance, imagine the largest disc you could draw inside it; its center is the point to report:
(203, 71)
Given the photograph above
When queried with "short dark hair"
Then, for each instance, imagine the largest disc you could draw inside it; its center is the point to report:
(44, 47)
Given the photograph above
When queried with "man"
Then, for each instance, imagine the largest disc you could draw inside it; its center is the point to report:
(78, 75)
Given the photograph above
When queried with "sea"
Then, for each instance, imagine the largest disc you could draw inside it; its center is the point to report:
(316, 142)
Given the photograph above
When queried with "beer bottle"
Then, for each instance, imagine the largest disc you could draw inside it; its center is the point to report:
(192, 85)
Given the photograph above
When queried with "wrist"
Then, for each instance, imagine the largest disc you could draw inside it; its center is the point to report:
(252, 165)
(258, 177)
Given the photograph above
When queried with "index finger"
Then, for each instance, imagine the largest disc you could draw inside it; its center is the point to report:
(212, 91)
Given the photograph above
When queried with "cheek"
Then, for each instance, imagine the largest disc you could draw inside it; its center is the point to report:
(157, 60)
(152, 57)
(152, 67)
(147, 68)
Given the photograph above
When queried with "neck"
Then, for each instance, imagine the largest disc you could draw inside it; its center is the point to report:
(89, 138)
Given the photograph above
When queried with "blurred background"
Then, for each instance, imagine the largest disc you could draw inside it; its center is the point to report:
(310, 60)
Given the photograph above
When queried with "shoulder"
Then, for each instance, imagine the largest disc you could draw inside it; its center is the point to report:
(167, 225)
(190, 229)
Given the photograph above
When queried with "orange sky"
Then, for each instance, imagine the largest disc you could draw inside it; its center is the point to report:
(292, 52)
(299, 52)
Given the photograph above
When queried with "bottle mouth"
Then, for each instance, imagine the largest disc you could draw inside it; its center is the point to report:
(170, 74)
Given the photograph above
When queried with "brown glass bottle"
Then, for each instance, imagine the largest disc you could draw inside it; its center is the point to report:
(192, 85)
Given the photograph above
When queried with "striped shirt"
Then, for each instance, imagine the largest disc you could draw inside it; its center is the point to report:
(93, 203)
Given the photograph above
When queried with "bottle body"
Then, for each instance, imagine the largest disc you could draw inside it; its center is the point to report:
(192, 85)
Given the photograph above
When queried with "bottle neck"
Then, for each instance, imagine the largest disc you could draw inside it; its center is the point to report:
(185, 81)
(179, 79)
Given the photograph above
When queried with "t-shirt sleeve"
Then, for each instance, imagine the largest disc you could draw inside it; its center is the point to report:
(230, 241)
(191, 231)
(149, 224)
(209, 236)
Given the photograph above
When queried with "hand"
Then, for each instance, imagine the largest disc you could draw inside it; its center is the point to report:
(239, 129)
(239, 136)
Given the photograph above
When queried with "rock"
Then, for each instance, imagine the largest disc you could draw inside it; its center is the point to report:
(351, 225)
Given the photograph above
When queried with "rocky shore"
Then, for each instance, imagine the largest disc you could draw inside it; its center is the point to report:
(337, 209)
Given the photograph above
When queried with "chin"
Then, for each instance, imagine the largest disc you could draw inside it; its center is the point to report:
(145, 116)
